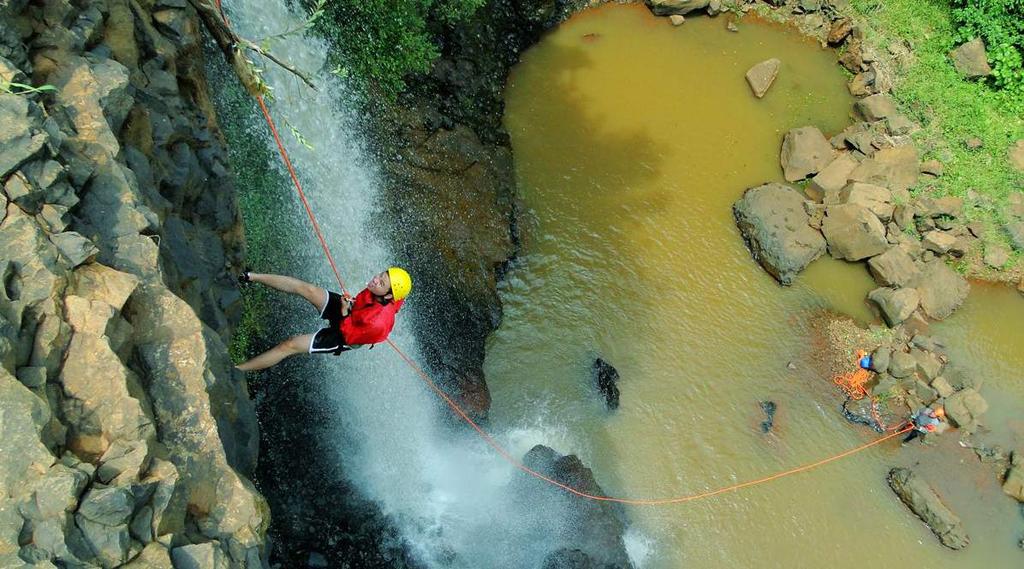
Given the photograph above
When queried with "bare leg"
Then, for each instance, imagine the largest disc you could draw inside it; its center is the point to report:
(289, 347)
(315, 295)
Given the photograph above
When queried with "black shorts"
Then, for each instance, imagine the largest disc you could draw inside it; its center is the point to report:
(330, 340)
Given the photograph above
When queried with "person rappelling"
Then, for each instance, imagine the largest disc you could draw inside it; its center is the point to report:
(364, 320)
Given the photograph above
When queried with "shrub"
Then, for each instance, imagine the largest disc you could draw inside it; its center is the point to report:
(381, 42)
(1000, 24)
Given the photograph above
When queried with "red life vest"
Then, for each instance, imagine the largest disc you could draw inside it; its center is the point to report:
(369, 321)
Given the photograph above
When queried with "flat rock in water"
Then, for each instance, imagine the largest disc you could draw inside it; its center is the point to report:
(971, 60)
(761, 76)
(926, 504)
(853, 232)
(896, 304)
(805, 151)
(774, 223)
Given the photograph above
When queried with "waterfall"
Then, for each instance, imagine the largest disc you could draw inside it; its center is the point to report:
(452, 498)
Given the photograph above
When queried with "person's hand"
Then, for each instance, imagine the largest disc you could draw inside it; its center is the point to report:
(346, 305)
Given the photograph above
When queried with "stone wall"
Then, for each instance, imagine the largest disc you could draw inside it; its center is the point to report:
(125, 436)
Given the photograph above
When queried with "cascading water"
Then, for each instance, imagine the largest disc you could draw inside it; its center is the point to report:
(455, 502)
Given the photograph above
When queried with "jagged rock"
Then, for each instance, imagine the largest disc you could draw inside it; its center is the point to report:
(853, 233)
(893, 268)
(949, 206)
(903, 164)
(929, 364)
(606, 378)
(830, 180)
(839, 31)
(19, 139)
(24, 417)
(199, 556)
(102, 518)
(942, 290)
(926, 504)
(774, 223)
(123, 459)
(877, 199)
(902, 365)
(900, 125)
(876, 107)
(1017, 156)
(971, 60)
(1013, 485)
(153, 556)
(75, 248)
(805, 151)
(681, 7)
(101, 283)
(942, 387)
(939, 242)
(964, 407)
(880, 359)
(896, 305)
(761, 76)
(599, 526)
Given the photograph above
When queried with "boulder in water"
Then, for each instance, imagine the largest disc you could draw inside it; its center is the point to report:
(606, 377)
(774, 222)
(926, 504)
(769, 408)
(761, 76)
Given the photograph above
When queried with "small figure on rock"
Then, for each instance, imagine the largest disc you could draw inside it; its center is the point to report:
(352, 322)
(606, 378)
(926, 420)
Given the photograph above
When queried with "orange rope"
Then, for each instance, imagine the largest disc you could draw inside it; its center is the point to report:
(504, 453)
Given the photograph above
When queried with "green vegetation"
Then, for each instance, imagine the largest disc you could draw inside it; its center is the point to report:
(1000, 24)
(23, 89)
(951, 109)
(379, 43)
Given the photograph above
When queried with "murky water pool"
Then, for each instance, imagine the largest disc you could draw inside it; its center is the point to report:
(632, 141)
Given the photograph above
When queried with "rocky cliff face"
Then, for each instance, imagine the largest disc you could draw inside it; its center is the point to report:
(125, 437)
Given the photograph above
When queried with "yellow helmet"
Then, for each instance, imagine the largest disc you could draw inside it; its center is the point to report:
(401, 282)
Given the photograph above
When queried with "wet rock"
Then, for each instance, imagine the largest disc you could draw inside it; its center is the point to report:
(20, 140)
(839, 31)
(896, 305)
(681, 7)
(833, 178)
(942, 290)
(964, 408)
(805, 151)
(761, 76)
(774, 223)
(876, 107)
(599, 525)
(926, 504)
(769, 408)
(876, 199)
(606, 378)
(1013, 484)
(971, 60)
(1017, 156)
(853, 233)
(939, 242)
(893, 268)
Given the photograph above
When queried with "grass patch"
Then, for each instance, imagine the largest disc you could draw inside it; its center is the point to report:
(950, 109)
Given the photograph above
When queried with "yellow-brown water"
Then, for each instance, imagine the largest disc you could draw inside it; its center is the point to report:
(632, 140)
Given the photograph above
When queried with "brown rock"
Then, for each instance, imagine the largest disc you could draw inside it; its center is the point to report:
(805, 151)
(830, 180)
(840, 30)
(893, 268)
(761, 76)
(939, 242)
(942, 290)
(932, 168)
(876, 198)
(971, 60)
(876, 107)
(677, 20)
(904, 165)
(926, 504)
(996, 256)
(853, 233)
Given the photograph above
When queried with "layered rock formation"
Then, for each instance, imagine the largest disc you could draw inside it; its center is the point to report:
(125, 437)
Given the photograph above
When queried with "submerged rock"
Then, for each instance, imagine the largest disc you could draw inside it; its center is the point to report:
(769, 408)
(775, 224)
(606, 378)
(926, 504)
